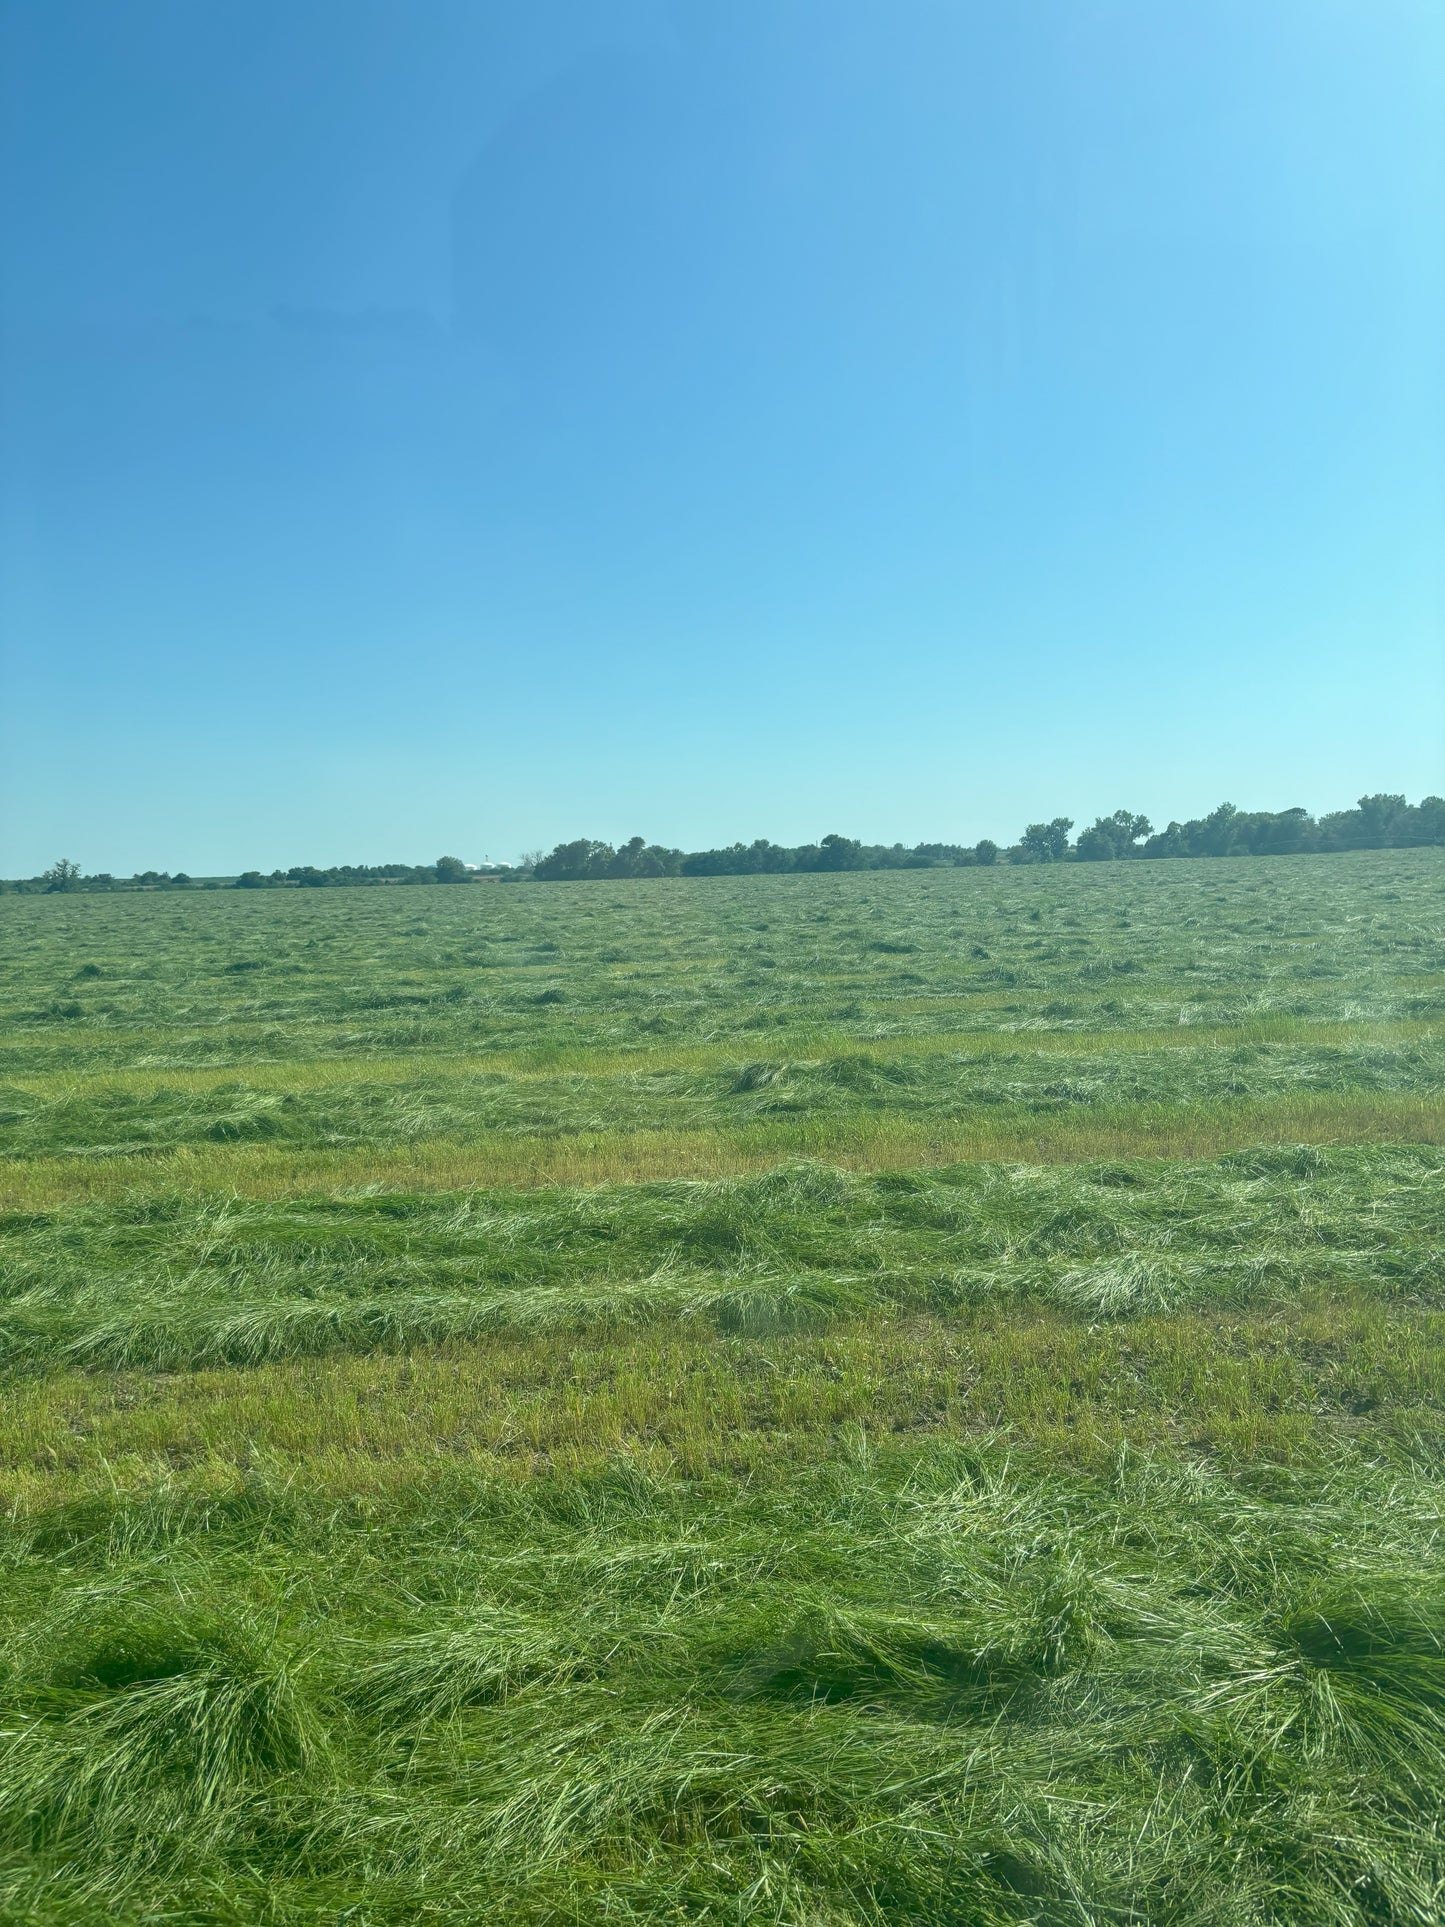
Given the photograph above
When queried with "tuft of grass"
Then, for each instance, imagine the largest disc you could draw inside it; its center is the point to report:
(1121, 1287)
(482, 1656)
(148, 1728)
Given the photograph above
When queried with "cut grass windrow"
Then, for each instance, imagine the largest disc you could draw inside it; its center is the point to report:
(937, 1682)
(299, 1073)
(172, 1281)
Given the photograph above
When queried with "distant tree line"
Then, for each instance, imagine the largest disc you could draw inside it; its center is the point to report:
(65, 875)
(573, 862)
(1379, 822)
(305, 876)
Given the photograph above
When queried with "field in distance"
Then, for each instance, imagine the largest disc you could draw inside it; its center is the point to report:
(438, 1039)
(900, 1397)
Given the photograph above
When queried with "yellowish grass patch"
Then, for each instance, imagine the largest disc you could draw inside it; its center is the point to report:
(349, 1424)
(876, 1142)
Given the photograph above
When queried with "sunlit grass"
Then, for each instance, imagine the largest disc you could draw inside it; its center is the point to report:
(930, 1680)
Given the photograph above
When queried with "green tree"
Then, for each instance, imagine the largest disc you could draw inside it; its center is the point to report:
(840, 853)
(1382, 817)
(451, 869)
(1111, 837)
(1048, 842)
(569, 862)
(1219, 832)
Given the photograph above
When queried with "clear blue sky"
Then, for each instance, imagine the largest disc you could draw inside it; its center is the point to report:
(436, 425)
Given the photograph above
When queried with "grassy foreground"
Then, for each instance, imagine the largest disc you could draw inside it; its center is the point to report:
(904, 1398)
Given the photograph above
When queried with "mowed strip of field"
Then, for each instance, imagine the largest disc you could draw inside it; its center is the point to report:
(1295, 1383)
(877, 1142)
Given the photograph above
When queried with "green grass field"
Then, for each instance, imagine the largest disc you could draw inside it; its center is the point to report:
(906, 1397)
